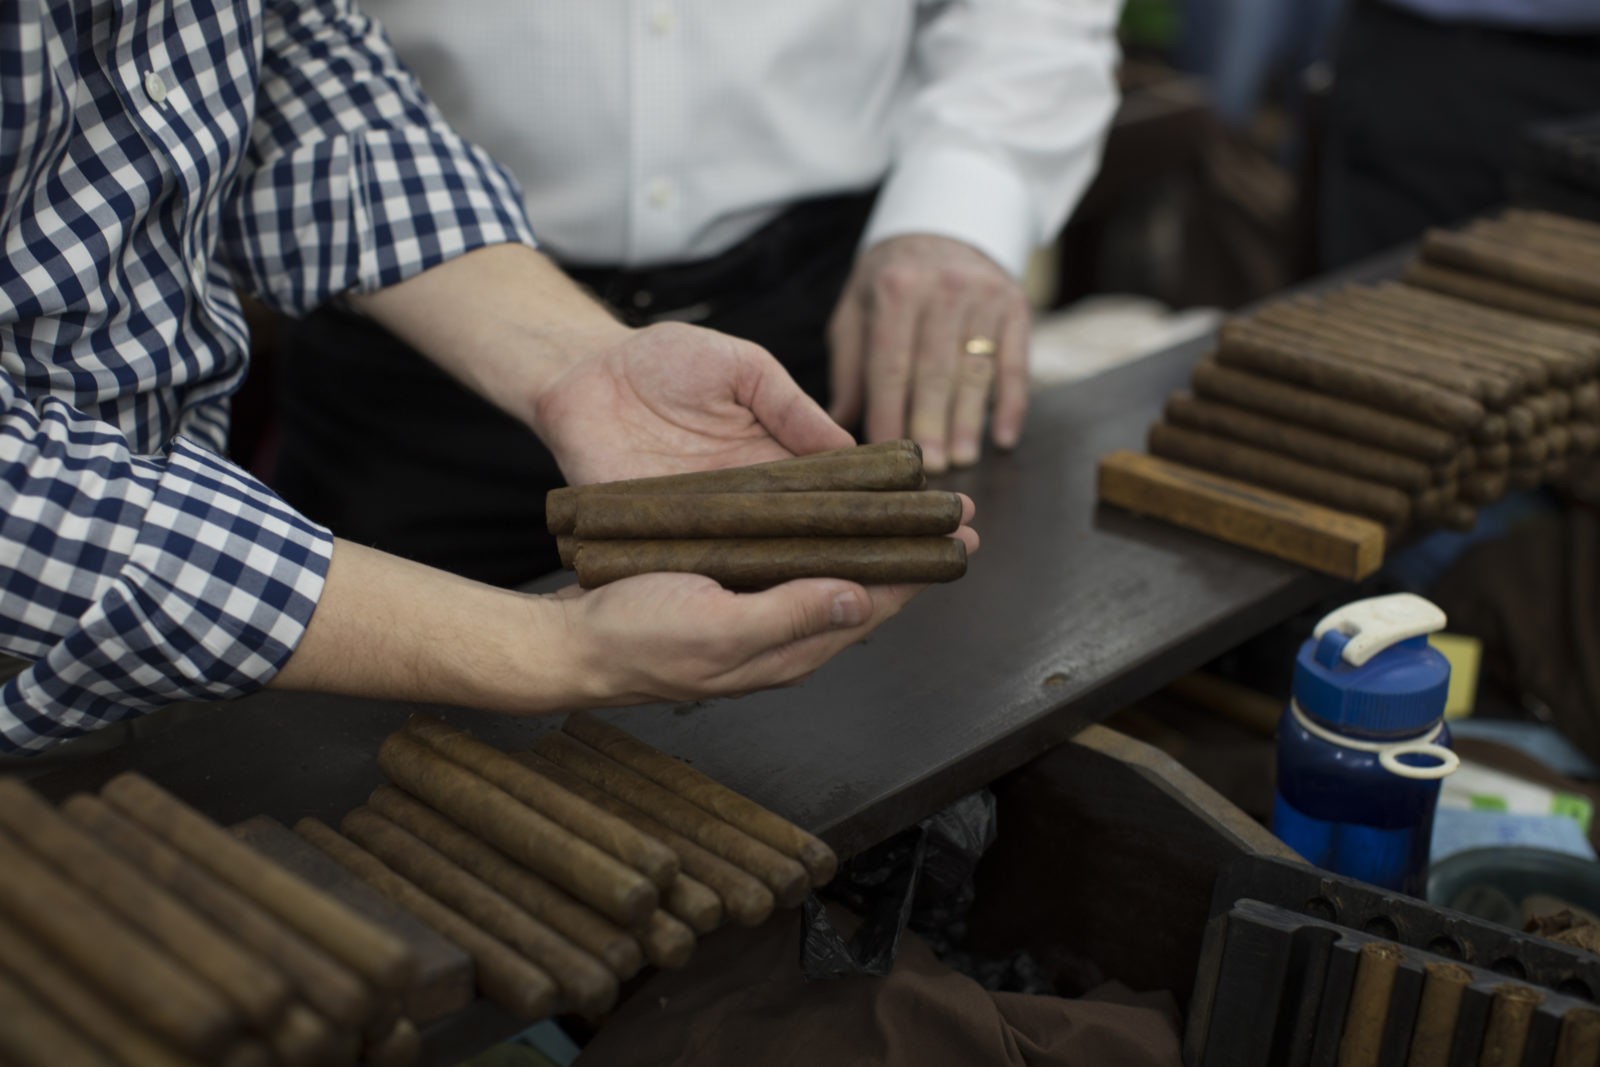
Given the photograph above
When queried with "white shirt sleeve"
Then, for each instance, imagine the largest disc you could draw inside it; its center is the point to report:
(1004, 133)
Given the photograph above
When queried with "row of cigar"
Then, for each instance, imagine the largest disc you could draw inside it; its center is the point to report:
(1397, 402)
(136, 932)
(563, 869)
(859, 513)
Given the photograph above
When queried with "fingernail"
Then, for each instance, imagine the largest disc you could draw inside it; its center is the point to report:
(933, 458)
(847, 611)
(1006, 438)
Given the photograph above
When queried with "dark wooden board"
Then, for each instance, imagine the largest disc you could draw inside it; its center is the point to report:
(445, 977)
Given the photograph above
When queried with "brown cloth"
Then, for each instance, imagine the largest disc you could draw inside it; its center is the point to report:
(1533, 598)
(742, 1003)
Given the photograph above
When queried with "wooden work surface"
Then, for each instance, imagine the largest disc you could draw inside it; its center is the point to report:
(1069, 612)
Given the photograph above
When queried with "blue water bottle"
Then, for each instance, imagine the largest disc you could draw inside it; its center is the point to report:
(1363, 743)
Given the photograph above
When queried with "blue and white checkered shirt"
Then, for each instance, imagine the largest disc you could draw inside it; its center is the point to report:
(153, 155)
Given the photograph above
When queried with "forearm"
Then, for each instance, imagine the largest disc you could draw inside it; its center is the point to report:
(504, 320)
(389, 628)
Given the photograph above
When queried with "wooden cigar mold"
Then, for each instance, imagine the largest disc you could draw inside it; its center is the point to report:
(859, 514)
(1411, 403)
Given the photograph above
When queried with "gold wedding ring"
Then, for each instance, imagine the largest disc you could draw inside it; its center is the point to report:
(980, 346)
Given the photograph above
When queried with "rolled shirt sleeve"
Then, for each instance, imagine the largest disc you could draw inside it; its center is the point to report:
(1005, 130)
(134, 581)
(352, 181)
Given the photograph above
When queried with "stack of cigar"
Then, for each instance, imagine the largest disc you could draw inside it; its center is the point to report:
(1396, 403)
(133, 930)
(562, 870)
(1530, 262)
(857, 513)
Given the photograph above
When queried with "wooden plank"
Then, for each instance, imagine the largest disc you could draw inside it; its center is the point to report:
(445, 980)
(1333, 542)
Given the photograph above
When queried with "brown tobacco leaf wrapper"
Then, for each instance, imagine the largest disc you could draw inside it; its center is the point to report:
(885, 466)
(621, 516)
(758, 563)
(1311, 446)
(1311, 408)
(329, 986)
(600, 828)
(244, 979)
(1242, 347)
(367, 948)
(595, 877)
(508, 979)
(1481, 255)
(1260, 467)
(706, 792)
(1507, 296)
(580, 924)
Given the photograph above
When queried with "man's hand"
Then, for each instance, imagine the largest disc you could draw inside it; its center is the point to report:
(902, 339)
(673, 398)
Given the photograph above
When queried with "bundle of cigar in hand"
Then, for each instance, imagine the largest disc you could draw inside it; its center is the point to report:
(563, 869)
(1412, 403)
(861, 514)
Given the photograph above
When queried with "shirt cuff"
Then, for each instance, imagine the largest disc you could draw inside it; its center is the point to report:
(213, 598)
(958, 193)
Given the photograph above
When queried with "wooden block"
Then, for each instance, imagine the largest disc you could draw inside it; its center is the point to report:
(445, 979)
(1333, 542)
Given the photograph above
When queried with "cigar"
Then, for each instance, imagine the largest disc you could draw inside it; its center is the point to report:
(706, 793)
(1478, 255)
(1494, 457)
(1559, 438)
(401, 1046)
(1541, 365)
(1563, 246)
(328, 985)
(1504, 295)
(1384, 503)
(31, 1036)
(1460, 516)
(1443, 985)
(254, 988)
(582, 926)
(1380, 356)
(884, 466)
(1555, 469)
(367, 948)
(302, 1038)
(666, 940)
(594, 877)
(785, 876)
(1495, 385)
(121, 964)
(1365, 384)
(760, 563)
(1510, 1019)
(1314, 409)
(1579, 1043)
(747, 900)
(79, 1005)
(503, 976)
(694, 903)
(1362, 1041)
(1585, 437)
(1531, 452)
(1586, 399)
(1320, 449)
(1581, 345)
(248, 1052)
(1531, 218)
(1484, 487)
(1493, 429)
(567, 550)
(585, 983)
(650, 857)
(646, 516)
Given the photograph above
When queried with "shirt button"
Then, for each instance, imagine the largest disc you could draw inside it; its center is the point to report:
(661, 193)
(663, 20)
(155, 88)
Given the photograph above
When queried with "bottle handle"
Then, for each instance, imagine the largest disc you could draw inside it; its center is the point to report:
(1389, 758)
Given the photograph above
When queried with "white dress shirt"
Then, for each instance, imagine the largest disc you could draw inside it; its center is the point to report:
(656, 131)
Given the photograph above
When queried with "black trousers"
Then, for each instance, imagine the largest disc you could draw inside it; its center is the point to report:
(1425, 121)
(387, 450)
